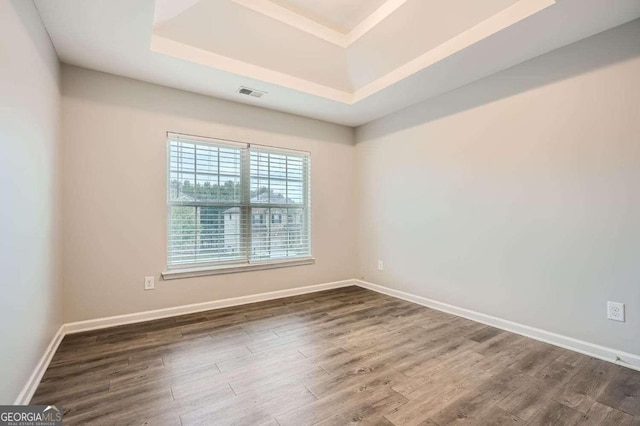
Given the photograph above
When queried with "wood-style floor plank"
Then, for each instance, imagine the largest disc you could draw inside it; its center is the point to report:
(340, 357)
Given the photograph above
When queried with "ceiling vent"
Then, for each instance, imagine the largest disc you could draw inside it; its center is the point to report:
(251, 92)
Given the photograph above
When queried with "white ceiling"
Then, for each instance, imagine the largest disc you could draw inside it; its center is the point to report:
(394, 53)
(213, 32)
(229, 30)
(341, 15)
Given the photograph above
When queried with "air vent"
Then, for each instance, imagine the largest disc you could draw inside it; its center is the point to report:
(251, 92)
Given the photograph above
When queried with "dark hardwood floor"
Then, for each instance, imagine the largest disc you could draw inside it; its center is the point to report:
(346, 356)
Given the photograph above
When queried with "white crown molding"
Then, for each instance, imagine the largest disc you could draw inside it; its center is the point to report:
(501, 20)
(374, 19)
(291, 18)
(586, 348)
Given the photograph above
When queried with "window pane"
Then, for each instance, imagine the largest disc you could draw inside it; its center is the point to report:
(201, 172)
(277, 178)
(282, 233)
(200, 234)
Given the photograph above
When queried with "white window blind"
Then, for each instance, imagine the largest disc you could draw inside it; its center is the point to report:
(232, 203)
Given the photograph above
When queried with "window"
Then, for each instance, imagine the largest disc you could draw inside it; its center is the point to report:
(227, 202)
(257, 219)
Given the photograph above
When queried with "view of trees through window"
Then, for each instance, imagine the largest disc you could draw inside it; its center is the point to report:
(210, 218)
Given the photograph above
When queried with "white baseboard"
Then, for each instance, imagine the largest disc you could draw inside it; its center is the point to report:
(96, 324)
(601, 352)
(34, 380)
(76, 327)
(586, 348)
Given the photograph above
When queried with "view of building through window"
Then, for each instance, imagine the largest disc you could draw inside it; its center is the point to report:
(234, 203)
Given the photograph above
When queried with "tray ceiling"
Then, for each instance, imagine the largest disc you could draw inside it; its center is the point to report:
(340, 15)
(346, 61)
(241, 37)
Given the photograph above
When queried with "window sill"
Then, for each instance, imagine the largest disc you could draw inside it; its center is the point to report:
(230, 269)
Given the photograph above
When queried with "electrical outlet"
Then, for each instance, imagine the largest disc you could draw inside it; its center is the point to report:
(615, 311)
(380, 265)
(149, 283)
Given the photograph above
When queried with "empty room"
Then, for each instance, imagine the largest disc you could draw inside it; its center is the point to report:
(320, 212)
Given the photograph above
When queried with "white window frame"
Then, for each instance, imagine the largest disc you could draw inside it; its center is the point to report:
(246, 264)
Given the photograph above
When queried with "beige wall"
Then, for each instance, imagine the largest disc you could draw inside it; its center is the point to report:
(114, 193)
(30, 304)
(517, 196)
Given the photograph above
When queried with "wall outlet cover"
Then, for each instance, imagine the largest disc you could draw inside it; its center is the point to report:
(615, 311)
(149, 283)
